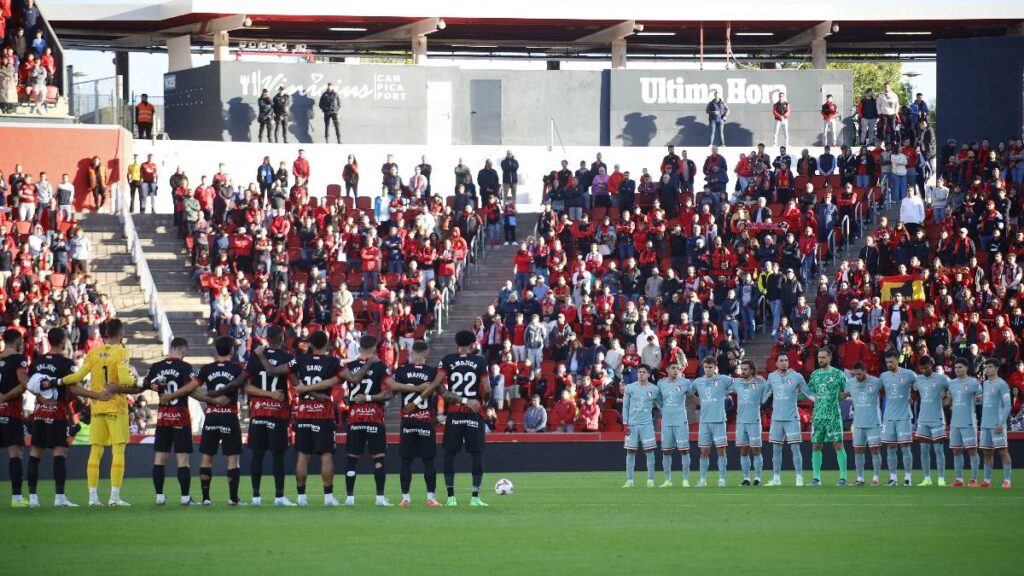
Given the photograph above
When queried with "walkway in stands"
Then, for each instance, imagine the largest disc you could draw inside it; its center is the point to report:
(115, 275)
(169, 264)
(481, 290)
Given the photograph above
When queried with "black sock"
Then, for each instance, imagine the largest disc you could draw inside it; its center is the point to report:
(478, 472)
(60, 472)
(158, 478)
(279, 474)
(257, 472)
(449, 473)
(405, 475)
(379, 475)
(350, 475)
(430, 474)
(185, 479)
(300, 488)
(205, 477)
(234, 475)
(33, 474)
(16, 475)
(328, 489)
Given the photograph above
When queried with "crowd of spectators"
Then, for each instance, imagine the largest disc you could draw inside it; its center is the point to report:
(27, 65)
(691, 261)
(273, 252)
(45, 279)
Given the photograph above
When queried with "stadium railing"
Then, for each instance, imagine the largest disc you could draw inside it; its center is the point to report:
(156, 307)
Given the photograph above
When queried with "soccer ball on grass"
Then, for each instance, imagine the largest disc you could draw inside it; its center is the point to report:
(504, 487)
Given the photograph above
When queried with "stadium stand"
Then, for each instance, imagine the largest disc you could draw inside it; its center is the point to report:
(29, 63)
(349, 265)
(622, 279)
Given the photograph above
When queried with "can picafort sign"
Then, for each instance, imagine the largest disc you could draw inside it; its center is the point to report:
(661, 90)
(381, 86)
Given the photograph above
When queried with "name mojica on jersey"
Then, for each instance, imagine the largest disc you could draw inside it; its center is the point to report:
(661, 90)
(384, 86)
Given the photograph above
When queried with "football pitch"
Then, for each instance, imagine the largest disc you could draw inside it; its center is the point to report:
(564, 523)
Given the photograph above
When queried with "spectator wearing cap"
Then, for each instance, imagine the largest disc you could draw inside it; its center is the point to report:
(282, 103)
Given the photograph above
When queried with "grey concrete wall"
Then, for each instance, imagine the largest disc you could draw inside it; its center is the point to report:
(530, 100)
(386, 104)
(661, 107)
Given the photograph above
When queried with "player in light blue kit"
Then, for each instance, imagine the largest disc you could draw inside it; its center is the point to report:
(896, 427)
(963, 422)
(751, 392)
(866, 430)
(995, 409)
(712, 389)
(637, 406)
(931, 421)
(785, 384)
(675, 430)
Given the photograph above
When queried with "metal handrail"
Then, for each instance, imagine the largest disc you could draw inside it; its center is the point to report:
(844, 225)
(157, 312)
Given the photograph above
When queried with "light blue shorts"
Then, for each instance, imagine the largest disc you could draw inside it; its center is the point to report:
(675, 437)
(784, 432)
(897, 431)
(712, 433)
(867, 436)
(641, 435)
(990, 440)
(748, 435)
(963, 437)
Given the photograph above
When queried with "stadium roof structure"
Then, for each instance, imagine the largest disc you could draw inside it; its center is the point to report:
(568, 29)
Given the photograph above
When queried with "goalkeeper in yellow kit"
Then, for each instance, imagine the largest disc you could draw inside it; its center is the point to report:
(108, 369)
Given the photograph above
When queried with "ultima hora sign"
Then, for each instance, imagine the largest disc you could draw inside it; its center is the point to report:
(661, 90)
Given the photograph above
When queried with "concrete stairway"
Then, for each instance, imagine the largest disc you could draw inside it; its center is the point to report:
(480, 291)
(172, 272)
(115, 276)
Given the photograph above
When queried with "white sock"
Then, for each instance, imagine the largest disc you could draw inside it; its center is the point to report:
(115, 493)
(301, 498)
(256, 500)
(159, 498)
(431, 496)
(33, 498)
(350, 499)
(405, 497)
(186, 499)
(16, 498)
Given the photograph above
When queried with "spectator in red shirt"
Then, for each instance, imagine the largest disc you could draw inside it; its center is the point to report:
(589, 416)
(523, 265)
(205, 194)
(564, 413)
(300, 167)
(370, 257)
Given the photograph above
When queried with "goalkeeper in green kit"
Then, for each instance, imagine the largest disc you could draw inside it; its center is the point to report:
(826, 384)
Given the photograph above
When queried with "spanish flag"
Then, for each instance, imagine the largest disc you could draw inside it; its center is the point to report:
(911, 286)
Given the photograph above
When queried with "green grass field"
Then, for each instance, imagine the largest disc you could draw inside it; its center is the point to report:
(567, 523)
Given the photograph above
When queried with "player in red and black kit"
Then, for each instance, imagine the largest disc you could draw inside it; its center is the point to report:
(13, 382)
(221, 427)
(367, 399)
(174, 380)
(418, 438)
(468, 388)
(269, 412)
(51, 427)
(312, 377)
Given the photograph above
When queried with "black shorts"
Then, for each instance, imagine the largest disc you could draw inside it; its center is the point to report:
(366, 436)
(465, 429)
(221, 429)
(50, 433)
(417, 440)
(180, 439)
(12, 431)
(268, 434)
(315, 436)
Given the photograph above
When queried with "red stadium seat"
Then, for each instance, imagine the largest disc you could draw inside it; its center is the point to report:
(364, 204)
(334, 190)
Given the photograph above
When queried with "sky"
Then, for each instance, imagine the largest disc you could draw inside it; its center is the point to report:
(146, 70)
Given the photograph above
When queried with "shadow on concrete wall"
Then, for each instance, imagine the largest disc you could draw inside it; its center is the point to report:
(639, 130)
(301, 118)
(238, 119)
